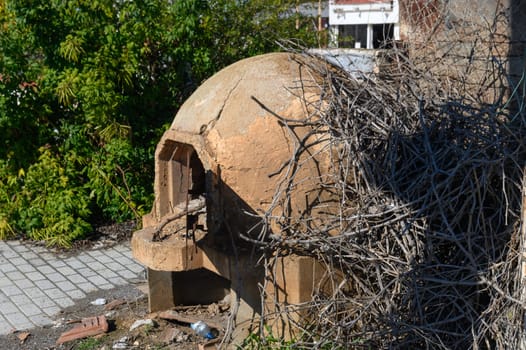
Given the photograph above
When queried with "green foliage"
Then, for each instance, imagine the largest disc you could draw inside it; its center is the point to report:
(88, 87)
(89, 344)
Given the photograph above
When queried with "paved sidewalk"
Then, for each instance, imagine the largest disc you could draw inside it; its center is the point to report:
(36, 284)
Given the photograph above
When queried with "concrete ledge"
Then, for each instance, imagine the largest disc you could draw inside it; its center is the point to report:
(173, 254)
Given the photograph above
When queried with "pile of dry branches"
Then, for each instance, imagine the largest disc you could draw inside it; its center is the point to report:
(428, 173)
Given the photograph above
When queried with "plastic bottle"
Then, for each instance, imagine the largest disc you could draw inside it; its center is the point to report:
(202, 329)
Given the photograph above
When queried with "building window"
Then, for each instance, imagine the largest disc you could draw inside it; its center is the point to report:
(368, 36)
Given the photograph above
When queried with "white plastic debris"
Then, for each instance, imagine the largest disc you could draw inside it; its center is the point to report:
(121, 343)
(110, 314)
(140, 323)
(99, 301)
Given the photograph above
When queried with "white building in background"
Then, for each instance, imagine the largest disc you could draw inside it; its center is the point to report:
(367, 24)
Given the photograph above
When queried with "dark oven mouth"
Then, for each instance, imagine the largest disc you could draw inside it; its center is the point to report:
(182, 187)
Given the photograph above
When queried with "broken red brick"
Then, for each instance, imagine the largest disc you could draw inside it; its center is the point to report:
(88, 327)
(23, 336)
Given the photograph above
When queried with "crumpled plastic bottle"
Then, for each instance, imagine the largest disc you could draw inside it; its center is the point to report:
(202, 329)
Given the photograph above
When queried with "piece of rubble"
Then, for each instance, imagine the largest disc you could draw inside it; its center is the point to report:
(23, 336)
(140, 323)
(173, 335)
(88, 327)
(113, 304)
(122, 343)
(213, 309)
(110, 314)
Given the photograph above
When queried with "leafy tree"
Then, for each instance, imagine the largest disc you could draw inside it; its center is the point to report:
(88, 87)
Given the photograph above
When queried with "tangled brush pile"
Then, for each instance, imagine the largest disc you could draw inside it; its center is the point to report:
(429, 178)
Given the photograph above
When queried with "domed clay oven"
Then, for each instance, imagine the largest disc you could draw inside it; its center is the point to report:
(236, 163)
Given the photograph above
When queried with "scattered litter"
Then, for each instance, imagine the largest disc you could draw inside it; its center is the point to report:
(113, 304)
(139, 323)
(99, 301)
(174, 315)
(23, 336)
(121, 343)
(202, 329)
(173, 335)
(59, 323)
(88, 327)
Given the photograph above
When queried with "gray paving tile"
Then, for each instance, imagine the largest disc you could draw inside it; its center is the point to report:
(46, 269)
(20, 299)
(106, 286)
(136, 268)
(105, 259)
(77, 278)
(75, 264)
(3, 298)
(56, 277)
(86, 287)
(51, 311)
(5, 326)
(76, 294)
(127, 274)
(107, 274)
(28, 255)
(97, 280)
(8, 253)
(57, 263)
(118, 281)
(114, 266)
(95, 253)
(66, 270)
(17, 261)
(20, 248)
(11, 290)
(34, 292)
(15, 275)
(41, 320)
(4, 282)
(25, 268)
(97, 266)
(47, 256)
(35, 276)
(65, 302)
(65, 286)
(86, 272)
(30, 310)
(8, 308)
(44, 284)
(7, 267)
(55, 294)
(44, 302)
(37, 262)
(23, 284)
(87, 259)
(19, 321)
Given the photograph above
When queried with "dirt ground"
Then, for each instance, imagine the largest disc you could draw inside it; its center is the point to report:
(133, 308)
(163, 335)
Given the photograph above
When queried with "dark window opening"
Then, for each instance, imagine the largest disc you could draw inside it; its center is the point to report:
(383, 35)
